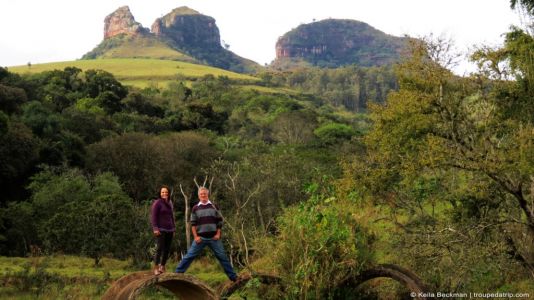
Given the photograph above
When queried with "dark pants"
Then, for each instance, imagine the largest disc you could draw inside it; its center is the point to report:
(218, 250)
(163, 247)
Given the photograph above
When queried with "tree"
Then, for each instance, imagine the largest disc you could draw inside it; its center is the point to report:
(456, 123)
(110, 102)
(144, 162)
(90, 126)
(528, 5)
(11, 99)
(132, 157)
(94, 228)
(41, 119)
(99, 81)
(442, 140)
(137, 102)
(4, 120)
(332, 133)
(294, 127)
(77, 215)
(18, 155)
(199, 115)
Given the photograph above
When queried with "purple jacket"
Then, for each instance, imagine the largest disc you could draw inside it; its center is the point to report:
(162, 216)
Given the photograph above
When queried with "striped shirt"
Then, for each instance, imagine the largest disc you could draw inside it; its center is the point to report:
(207, 219)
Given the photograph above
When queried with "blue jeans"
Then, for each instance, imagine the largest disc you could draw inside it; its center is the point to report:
(216, 247)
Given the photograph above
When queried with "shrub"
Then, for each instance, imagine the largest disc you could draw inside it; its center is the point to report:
(334, 132)
(320, 244)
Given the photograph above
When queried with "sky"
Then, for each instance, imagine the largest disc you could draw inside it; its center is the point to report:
(40, 31)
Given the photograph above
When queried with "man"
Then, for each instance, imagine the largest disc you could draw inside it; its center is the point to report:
(206, 224)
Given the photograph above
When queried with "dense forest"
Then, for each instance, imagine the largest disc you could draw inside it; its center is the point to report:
(410, 165)
(352, 87)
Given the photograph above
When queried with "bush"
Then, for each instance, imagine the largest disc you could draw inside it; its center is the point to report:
(331, 133)
(320, 244)
(71, 213)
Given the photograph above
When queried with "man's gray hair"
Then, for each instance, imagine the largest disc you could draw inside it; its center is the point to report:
(203, 188)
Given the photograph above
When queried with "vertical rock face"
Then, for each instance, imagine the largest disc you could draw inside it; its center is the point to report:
(122, 21)
(188, 29)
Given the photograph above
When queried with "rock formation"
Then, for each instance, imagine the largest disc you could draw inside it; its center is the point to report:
(334, 43)
(197, 35)
(189, 29)
(183, 34)
(122, 21)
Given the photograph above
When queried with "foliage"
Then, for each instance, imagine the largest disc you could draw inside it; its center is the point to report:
(137, 102)
(439, 173)
(18, 154)
(100, 82)
(527, 4)
(11, 98)
(320, 244)
(144, 162)
(351, 87)
(294, 127)
(75, 215)
(332, 133)
(100, 227)
(455, 169)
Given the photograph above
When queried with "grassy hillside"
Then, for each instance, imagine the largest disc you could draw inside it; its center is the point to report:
(138, 72)
(136, 47)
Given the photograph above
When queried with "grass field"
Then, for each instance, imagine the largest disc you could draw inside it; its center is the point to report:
(73, 277)
(138, 72)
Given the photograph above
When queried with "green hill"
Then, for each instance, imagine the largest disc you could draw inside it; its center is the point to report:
(139, 72)
(124, 46)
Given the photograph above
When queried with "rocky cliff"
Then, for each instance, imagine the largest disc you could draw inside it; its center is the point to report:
(333, 43)
(188, 28)
(197, 35)
(122, 21)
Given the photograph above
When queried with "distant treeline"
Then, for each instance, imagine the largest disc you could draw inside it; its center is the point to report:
(351, 87)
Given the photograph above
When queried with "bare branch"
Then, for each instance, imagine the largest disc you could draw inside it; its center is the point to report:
(211, 183)
(251, 194)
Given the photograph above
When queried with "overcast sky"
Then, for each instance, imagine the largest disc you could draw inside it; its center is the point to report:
(40, 31)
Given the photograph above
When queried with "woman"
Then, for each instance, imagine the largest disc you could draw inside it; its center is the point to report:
(162, 219)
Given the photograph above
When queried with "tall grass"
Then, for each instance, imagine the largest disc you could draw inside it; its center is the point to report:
(74, 277)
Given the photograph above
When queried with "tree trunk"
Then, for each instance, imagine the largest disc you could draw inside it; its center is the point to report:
(526, 209)
(187, 217)
(187, 224)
